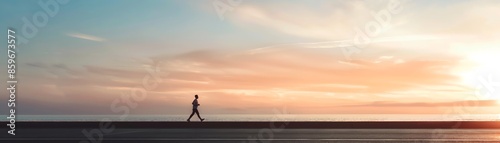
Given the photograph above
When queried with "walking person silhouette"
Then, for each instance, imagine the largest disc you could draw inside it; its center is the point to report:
(195, 109)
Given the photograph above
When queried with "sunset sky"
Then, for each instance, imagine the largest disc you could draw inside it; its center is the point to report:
(431, 57)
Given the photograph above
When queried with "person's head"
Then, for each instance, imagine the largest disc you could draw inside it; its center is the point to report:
(196, 96)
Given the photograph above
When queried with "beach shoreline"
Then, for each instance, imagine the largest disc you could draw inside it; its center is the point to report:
(267, 124)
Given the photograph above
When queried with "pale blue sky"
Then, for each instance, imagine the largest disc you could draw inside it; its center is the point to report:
(94, 49)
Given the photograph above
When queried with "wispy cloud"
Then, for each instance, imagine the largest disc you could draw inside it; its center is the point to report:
(431, 104)
(86, 37)
(350, 42)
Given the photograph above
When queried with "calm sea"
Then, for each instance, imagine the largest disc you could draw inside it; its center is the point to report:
(264, 117)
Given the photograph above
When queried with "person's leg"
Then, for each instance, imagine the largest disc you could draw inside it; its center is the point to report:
(191, 115)
(198, 113)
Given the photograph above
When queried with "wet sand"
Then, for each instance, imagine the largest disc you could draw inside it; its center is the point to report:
(256, 132)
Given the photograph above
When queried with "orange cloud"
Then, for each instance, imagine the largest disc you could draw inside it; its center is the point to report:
(304, 80)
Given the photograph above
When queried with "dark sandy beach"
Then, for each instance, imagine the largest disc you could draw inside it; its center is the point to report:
(265, 132)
